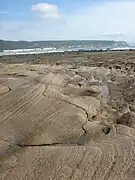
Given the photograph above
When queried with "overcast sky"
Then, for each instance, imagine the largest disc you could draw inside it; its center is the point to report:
(67, 19)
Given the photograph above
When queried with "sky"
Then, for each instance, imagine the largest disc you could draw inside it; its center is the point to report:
(67, 20)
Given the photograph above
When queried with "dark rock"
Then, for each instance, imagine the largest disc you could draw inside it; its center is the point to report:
(127, 119)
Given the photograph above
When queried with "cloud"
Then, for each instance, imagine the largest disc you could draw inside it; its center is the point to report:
(115, 19)
(47, 10)
(114, 34)
(112, 20)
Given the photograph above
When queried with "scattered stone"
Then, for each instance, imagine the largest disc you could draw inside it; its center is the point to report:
(4, 89)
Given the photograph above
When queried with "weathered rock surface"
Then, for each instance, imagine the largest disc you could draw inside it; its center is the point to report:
(50, 128)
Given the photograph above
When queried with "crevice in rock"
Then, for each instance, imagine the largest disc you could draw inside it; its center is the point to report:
(85, 132)
(106, 130)
(80, 85)
(93, 118)
(9, 88)
(49, 145)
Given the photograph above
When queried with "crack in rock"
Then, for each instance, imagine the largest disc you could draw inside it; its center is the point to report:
(85, 132)
(79, 107)
(9, 88)
(49, 145)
